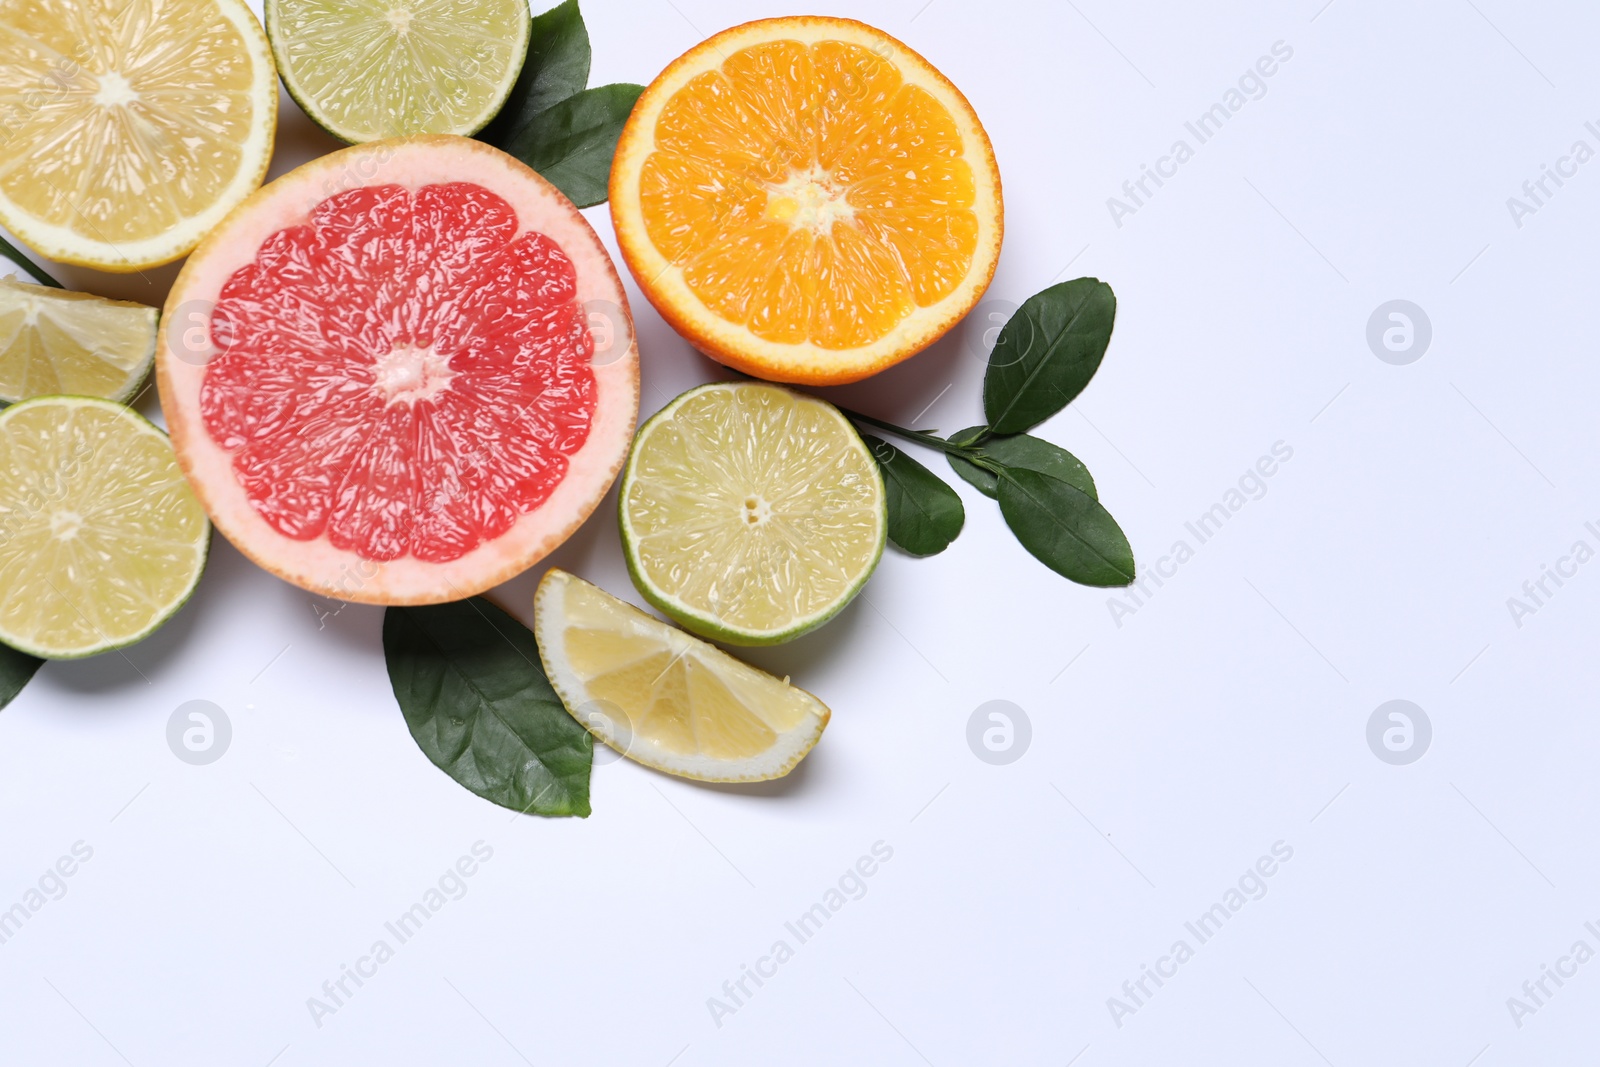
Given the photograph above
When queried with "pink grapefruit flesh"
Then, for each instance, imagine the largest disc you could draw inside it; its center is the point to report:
(381, 372)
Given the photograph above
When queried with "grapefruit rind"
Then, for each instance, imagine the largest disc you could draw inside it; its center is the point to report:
(315, 565)
(549, 613)
(732, 344)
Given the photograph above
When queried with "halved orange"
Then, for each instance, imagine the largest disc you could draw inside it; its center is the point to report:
(807, 200)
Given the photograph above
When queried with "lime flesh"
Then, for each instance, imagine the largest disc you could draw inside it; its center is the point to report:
(101, 538)
(749, 513)
(370, 69)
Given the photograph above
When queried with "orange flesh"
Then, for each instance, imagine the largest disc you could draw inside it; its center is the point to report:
(810, 194)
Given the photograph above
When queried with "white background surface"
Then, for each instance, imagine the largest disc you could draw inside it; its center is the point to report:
(1168, 753)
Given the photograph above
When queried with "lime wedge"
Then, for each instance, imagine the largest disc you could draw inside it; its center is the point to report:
(53, 341)
(663, 698)
(749, 513)
(101, 538)
(369, 69)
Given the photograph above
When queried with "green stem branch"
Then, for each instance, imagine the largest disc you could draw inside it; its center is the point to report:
(11, 253)
(939, 444)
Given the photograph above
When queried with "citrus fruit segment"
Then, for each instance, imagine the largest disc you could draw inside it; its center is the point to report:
(807, 199)
(129, 128)
(52, 341)
(101, 539)
(749, 513)
(392, 393)
(369, 69)
(664, 698)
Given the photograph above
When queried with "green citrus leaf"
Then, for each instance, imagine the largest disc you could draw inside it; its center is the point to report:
(1020, 451)
(557, 67)
(925, 514)
(1066, 529)
(477, 702)
(572, 143)
(16, 670)
(1047, 353)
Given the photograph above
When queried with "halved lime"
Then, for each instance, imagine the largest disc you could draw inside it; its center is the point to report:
(751, 514)
(101, 538)
(53, 341)
(369, 69)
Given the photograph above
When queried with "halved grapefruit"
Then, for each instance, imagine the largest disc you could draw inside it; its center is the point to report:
(380, 376)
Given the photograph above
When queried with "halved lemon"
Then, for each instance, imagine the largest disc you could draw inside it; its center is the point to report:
(807, 200)
(749, 513)
(128, 128)
(664, 698)
(53, 341)
(101, 538)
(369, 69)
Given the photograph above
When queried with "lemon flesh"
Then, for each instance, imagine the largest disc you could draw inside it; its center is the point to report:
(128, 128)
(369, 69)
(52, 341)
(101, 538)
(664, 698)
(749, 513)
